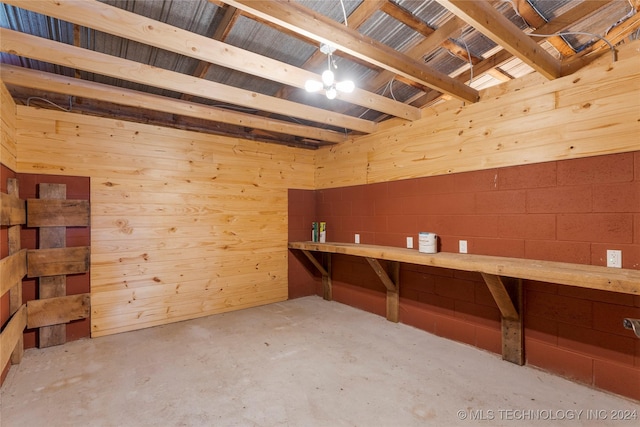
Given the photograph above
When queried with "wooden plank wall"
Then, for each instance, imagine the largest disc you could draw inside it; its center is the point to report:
(7, 128)
(183, 224)
(530, 120)
(12, 269)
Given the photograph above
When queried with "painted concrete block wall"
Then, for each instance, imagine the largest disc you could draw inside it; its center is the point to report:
(302, 209)
(571, 211)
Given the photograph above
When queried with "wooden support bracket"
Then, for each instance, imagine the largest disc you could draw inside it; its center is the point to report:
(391, 283)
(507, 292)
(327, 291)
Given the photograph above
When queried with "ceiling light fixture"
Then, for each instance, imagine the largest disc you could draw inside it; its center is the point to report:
(328, 83)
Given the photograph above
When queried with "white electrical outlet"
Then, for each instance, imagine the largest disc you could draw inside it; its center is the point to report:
(614, 258)
(357, 238)
(409, 242)
(462, 246)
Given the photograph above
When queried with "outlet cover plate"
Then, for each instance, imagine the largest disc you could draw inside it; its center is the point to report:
(614, 258)
(462, 245)
(409, 242)
(357, 238)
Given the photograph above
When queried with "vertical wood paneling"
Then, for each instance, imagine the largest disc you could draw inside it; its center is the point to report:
(7, 128)
(183, 224)
(595, 111)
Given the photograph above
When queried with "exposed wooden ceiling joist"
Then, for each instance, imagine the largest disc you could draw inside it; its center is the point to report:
(291, 18)
(229, 16)
(558, 24)
(69, 56)
(301, 20)
(427, 45)
(23, 77)
(534, 20)
(407, 18)
(486, 19)
(112, 20)
(616, 35)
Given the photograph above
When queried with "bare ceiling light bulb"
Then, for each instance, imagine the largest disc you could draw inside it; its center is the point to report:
(346, 86)
(328, 77)
(331, 93)
(313, 86)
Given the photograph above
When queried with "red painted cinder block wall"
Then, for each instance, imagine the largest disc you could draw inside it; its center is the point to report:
(302, 211)
(570, 211)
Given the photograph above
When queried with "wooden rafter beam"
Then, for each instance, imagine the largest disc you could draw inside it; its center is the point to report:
(486, 19)
(77, 42)
(558, 24)
(535, 20)
(229, 16)
(41, 80)
(572, 16)
(615, 36)
(401, 14)
(418, 51)
(301, 20)
(113, 20)
(62, 54)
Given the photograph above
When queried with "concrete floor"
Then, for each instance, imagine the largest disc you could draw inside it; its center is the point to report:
(305, 362)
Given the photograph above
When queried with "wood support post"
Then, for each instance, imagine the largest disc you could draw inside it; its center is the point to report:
(507, 292)
(52, 286)
(391, 283)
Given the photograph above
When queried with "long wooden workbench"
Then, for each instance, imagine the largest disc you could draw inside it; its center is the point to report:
(502, 275)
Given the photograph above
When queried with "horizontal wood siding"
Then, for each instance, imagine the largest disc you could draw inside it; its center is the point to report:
(7, 128)
(592, 112)
(183, 224)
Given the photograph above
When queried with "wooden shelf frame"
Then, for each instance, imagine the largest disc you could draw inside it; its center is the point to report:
(502, 275)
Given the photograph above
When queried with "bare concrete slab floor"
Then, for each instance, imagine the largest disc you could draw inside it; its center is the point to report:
(305, 362)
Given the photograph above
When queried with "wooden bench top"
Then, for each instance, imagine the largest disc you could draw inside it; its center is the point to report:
(585, 276)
